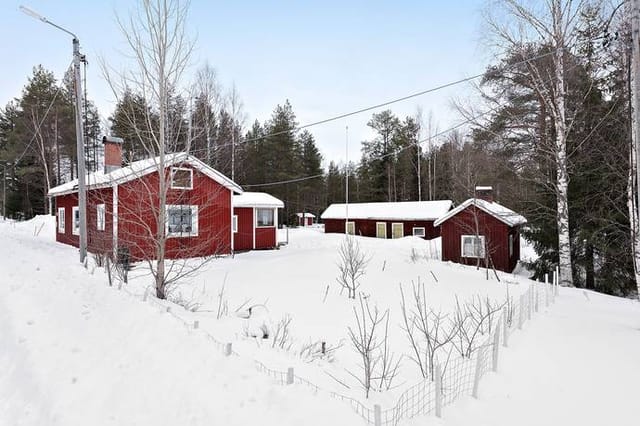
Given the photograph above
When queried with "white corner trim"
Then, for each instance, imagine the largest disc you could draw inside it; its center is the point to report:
(114, 215)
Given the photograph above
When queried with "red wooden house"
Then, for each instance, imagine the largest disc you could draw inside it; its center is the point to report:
(255, 221)
(305, 218)
(122, 203)
(481, 231)
(386, 220)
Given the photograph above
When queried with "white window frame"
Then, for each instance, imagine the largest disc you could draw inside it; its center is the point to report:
(100, 217)
(385, 229)
(479, 238)
(511, 243)
(395, 225)
(174, 169)
(194, 221)
(75, 225)
(61, 220)
(234, 223)
(346, 228)
(415, 228)
(273, 217)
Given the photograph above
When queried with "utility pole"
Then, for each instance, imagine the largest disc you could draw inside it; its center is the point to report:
(82, 189)
(346, 182)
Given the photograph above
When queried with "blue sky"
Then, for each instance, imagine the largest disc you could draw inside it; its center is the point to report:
(326, 57)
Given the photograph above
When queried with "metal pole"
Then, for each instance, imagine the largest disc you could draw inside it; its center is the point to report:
(4, 193)
(82, 190)
(346, 185)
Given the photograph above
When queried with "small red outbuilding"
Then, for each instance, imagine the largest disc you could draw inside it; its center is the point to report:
(386, 220)
(305, 218)
(255, 221)
(481, 231)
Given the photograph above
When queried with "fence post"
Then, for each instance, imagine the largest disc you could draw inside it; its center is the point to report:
(536, 296)
(496, 347)
(227, 349)
(377, 415)
(290, 375)
(196, 324)
(546, 290)
(438, 391)
(520, 312)
(505, 327)
(146, 295)
(476, 379)
(529, 300)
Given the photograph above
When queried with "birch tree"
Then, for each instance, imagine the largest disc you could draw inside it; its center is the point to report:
(554, 26)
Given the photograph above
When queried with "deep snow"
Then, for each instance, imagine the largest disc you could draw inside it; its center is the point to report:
(74, 351)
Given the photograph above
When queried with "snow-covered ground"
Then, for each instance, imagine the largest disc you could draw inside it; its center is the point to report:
(74, 351)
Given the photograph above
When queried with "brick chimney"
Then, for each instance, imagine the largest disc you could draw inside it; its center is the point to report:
(112, 153)
(484, 193)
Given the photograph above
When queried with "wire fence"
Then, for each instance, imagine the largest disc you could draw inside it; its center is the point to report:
(461, 375)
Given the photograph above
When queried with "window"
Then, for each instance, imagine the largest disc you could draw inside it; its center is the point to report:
(181, 178)
(182, 221)
(234, 223)
(473, 246)
(397, 230)
(264, 217)
(418, 231)
(61, 220)
(381, 229)
(100, 217)
(351, 228)
(76, 220)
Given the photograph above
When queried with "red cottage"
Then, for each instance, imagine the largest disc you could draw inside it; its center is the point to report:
(482, 231)
(255, 221)
(386, 220)
(305, 219)
(122, 203)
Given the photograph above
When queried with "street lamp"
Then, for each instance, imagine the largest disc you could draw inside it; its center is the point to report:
(82, 189)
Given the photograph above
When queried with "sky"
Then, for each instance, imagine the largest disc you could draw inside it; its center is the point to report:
(326, 57)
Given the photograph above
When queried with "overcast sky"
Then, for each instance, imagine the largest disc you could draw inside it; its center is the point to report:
(327, 57)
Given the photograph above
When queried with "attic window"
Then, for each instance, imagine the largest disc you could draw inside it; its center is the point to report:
(472, 246)
(181, 178)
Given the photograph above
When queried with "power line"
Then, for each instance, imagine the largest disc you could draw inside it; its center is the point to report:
(282, 182)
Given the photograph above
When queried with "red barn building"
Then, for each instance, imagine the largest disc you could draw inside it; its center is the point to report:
(481, 231)
(255, 221)
(386, 220)
(305, 219)
(122, 205)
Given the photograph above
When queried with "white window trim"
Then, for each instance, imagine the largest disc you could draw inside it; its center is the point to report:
(274, 217)
(415, 228)
(511, 244)
(61, 220)
(75, 230)
(101, 218)
(234, 223)
(194, 221)
(174, 169)
(346, 227)
(385, 229)
(395, 225)
(482, 246)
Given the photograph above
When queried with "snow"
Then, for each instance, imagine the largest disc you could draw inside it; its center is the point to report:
(256, 199)
(500, 212)
(404, 210)
(140, 168)
(306, 215)
(75, 351)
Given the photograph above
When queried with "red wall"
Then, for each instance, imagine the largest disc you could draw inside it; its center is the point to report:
(67, 202)
(243, 239)
(265, 238)
(136, 218)
(496, 235)
(367, 227)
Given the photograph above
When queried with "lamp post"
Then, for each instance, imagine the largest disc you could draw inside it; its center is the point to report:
(82, 190)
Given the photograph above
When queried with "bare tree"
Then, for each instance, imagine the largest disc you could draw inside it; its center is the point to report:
(473, 319)
(352, 265)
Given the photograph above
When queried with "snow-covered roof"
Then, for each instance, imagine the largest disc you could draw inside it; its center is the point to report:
(141, 168)
(500, 212)
(403, 210)
(256, 199)
(305, 215)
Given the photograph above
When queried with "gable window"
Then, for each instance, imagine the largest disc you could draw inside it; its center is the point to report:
(264, 217)
(234, 223)
(181, 178)
(473, 246)
(61, 220)
(75, 211)
(418, 231)
(182, 221)
(100, 213)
